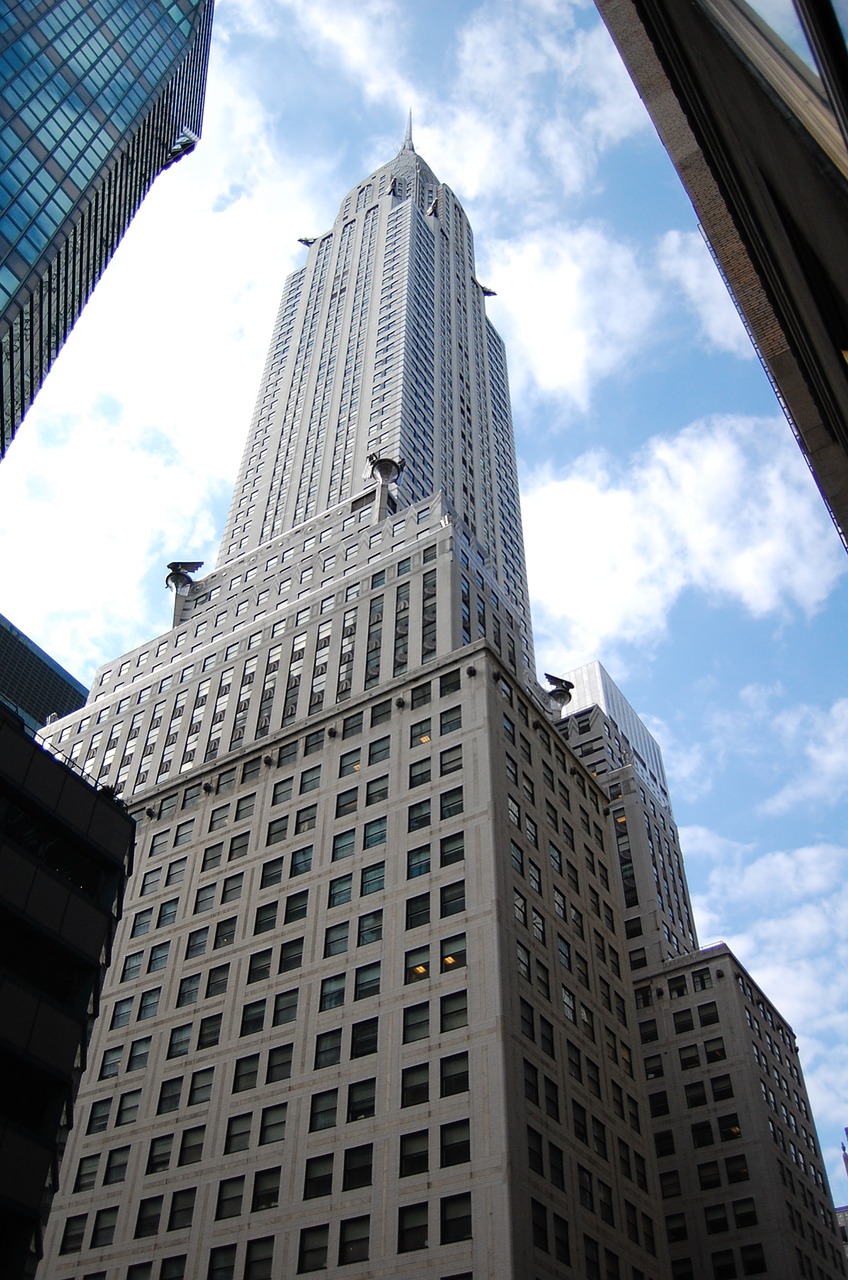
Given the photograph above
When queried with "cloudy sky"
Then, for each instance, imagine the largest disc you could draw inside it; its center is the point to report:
(672, 528)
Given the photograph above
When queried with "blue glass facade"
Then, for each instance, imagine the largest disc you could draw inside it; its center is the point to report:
(98, 96)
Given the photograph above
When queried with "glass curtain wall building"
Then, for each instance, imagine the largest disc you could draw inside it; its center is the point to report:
(98, 97)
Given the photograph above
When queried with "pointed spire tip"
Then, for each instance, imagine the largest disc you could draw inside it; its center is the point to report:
(407, 142)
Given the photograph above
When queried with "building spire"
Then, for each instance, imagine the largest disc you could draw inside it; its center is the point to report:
(407, 142)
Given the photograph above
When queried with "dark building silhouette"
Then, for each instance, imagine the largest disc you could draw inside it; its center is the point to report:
(759, 142)
(31, 682)
(98, 97)
(65, 851)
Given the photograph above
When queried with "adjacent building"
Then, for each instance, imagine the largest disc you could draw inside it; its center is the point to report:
(98, 97)
(607, 735)
(65, 852)
(742, 1181)
(371, 1006)
(760, 141)
(32, 684)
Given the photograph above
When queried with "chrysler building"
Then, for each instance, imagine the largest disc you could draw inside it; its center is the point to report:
(369, 1010)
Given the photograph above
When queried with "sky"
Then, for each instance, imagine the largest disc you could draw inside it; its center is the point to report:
(673, 530)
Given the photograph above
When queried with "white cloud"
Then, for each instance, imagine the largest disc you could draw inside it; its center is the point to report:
(574, 306)
(689, 764)
(685, 260)
(782, 912)
(724, 507)
(820, 738)
(127, 457)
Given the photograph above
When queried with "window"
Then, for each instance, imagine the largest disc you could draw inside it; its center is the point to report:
(715, 1218)
(291, 955)
(361, 1100)
(273, 1123)
(159, 1154)
(132, 966)
(216, 981)
(346, 802)
(728, 1127)
(367, 981)
(370, 928)
(116, 1166)
(328, 1049)
(412, 1227)
(418, 911)
(197, 941)
(201, 1086)
(128, 1105)
(323, 1110)
(714, 1050)
(418, 815)
(450, 720)
(418, 861)
(455, 1143)
(72, 1236)
(103, 1231)
(373, 879)
(277, 830)
(279, 1063)
(708, 1013)
(182, 1209)
(312, 1251)
(222, 1263)
(344, 843)
(238, 1133)
(452, 849)
(285, 1007)
(266, 1190)
(332, 992)
(340, 891)
(297, 906)
(415, 1084)
(210, 1031)
(225, 932)
(191, 1145)
(232, 888)
(455, 1218)
(452, 899)
(414, 1153)
(416, 1022)
(454, 1011)
(357, 1167)
(147, 1219)
(170, 1093)
(230, 1192)
(419, 772)
(141, 922)
(709, 1175)
(87, 1172)
(259, 967)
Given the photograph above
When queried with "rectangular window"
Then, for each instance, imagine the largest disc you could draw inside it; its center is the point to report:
(273, 1123)
(367, 981)
(322, 1113)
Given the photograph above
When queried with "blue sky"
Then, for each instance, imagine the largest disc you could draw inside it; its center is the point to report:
(673, 530)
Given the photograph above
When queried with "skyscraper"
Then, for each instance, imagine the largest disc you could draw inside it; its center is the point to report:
(760, 142)
(98, 97)
(369, 1007)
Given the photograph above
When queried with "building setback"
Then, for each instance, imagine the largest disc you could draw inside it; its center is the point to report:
(98, 97)
(742, 1182)
(370, 1007)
